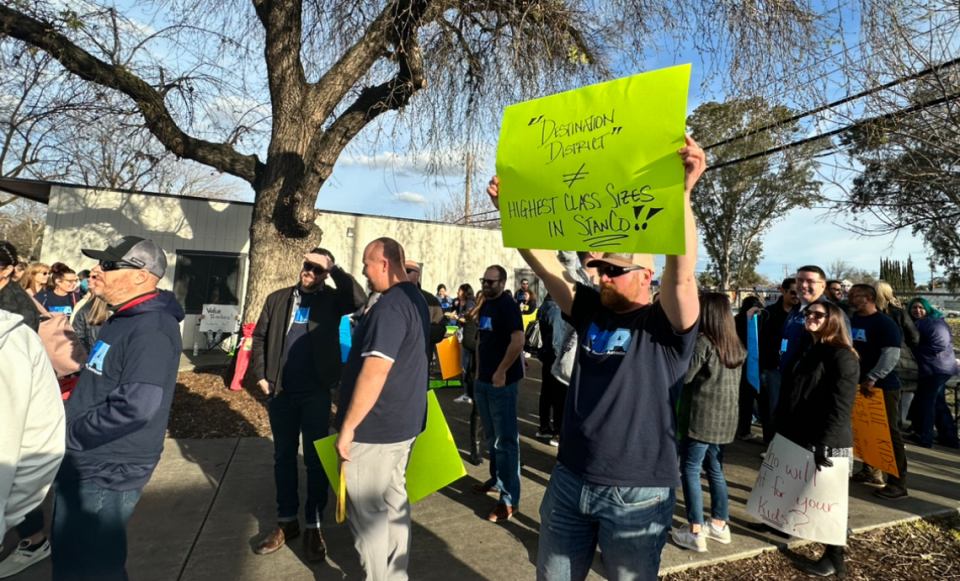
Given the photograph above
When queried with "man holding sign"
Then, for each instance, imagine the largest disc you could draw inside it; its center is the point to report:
(381, 411)
(618, 447)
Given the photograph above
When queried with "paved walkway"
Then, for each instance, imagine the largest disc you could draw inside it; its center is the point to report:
(210, 501)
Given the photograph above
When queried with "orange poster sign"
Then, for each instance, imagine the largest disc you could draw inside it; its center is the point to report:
(871, 432)
(448, 351)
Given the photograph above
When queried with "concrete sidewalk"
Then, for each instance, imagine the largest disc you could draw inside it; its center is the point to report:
(211, 501)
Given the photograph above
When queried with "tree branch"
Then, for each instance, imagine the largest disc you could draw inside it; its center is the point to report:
(149, 101)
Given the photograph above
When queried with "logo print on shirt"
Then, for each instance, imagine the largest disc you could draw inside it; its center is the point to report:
(859, 335)
(607, 341)
(486, 324)
(302, 316)
(97, 355)
(65, 310)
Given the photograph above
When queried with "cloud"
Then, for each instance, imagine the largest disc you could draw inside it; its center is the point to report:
(450, 162)
(410, 198)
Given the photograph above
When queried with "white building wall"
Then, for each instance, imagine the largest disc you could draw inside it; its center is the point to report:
(80, 217)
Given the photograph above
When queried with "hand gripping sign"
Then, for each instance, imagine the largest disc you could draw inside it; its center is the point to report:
(596, 169)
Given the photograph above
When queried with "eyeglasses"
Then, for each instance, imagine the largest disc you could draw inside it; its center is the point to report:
(315, 269)
(69, 280)
(109, 265)
(816, 315)
(44, 274)
(412, 270)
(614, 271)
(792, 293)
(489, 281)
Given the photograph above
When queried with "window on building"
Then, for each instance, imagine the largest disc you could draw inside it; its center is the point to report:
(207, 278)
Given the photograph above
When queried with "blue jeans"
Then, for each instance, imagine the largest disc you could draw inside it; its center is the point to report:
(694, 455)
(936, 413)
(629, 524)
(498, 412)
(768, 398)
(89, 537)
(293, 414)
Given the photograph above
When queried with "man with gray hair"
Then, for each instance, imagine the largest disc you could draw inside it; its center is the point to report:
(117, 414)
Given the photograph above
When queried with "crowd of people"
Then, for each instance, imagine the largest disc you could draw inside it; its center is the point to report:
(639, 393)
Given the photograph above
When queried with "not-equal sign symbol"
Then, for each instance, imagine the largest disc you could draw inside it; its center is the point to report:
(616, 130)
(571, 178)
(535, 120)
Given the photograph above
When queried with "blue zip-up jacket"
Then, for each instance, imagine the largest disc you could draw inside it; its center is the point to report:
(117, 414)
(792, 331)
(934, 353)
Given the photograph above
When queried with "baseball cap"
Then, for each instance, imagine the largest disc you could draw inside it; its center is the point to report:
(139, 252)
(624, 260)
(411, 265)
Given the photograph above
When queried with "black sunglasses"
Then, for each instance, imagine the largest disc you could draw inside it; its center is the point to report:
(793, 293)
(611, 271)
(489, 281)
(816, 315)
(109, 265)
(412, 270)
(315, 269)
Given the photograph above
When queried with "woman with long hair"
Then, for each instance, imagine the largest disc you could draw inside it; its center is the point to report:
(888, 304)
(816, 402)
(936, 364)
(60, 298)
(707, 420)
(35, 278)
(468, 346)
(470, 327)
(91, 316)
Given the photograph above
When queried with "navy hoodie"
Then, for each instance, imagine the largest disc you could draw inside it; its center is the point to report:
(117, 414)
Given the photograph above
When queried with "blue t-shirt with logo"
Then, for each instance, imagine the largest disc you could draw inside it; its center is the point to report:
(619, 424)
(299, 368)
(499, 318)
(54, 303)
(870, 335)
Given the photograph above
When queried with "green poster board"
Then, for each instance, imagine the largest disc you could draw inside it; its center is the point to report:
(597, 169)
(434, 460)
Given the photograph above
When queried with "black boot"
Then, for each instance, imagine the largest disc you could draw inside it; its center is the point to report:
(830, 564)
(475, 458)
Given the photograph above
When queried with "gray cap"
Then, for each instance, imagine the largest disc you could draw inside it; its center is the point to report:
(138, 252)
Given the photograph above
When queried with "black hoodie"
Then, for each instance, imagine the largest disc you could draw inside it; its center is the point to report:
(117, 414)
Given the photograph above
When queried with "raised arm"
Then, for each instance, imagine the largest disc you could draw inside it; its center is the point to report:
(544, 263)
(678, 285)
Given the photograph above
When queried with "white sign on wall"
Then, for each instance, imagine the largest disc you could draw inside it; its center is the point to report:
(790, 494)
(222, 318)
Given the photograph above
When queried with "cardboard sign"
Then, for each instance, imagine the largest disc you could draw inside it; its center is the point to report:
(220, 318)
(753, 353)
(434, 460)
(597, 169)
(871, 432)
(448, 352)
(790, 494)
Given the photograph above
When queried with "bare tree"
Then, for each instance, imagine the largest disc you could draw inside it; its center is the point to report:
(331, 68)
(22, 223)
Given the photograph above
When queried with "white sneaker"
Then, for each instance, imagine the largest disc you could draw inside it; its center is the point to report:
(683, 537)
(555, 441)
(748, 437)
(463, 399)
(715, 533)
(543, 435)
(21, 558)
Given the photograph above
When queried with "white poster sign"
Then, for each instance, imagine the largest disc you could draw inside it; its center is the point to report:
(790, 494)
(222, 318)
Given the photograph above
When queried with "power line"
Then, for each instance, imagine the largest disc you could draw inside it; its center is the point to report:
(843, 101)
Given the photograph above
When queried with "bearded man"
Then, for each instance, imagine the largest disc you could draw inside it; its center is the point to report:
(616, 470)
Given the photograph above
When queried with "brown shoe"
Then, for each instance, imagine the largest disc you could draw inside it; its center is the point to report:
(278, 537)
(484, 489)
(871, 478)
(502, 513)
(313, 546)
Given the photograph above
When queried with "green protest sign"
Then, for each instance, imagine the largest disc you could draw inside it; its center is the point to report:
(596, 169)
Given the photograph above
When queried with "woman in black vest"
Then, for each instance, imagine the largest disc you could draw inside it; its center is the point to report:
(816, 402)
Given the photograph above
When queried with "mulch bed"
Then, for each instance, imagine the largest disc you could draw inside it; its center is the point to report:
(204, 407)
(927, 550)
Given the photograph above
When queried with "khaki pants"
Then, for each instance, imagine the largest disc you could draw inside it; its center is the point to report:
(378, 510)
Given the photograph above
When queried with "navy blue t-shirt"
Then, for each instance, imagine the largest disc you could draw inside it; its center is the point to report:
(54, 303)
(499, 318)
(396, 328)
(870, 335)
(299, 367)
(619, 425)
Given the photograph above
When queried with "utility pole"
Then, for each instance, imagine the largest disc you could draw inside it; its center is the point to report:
(466, 201)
